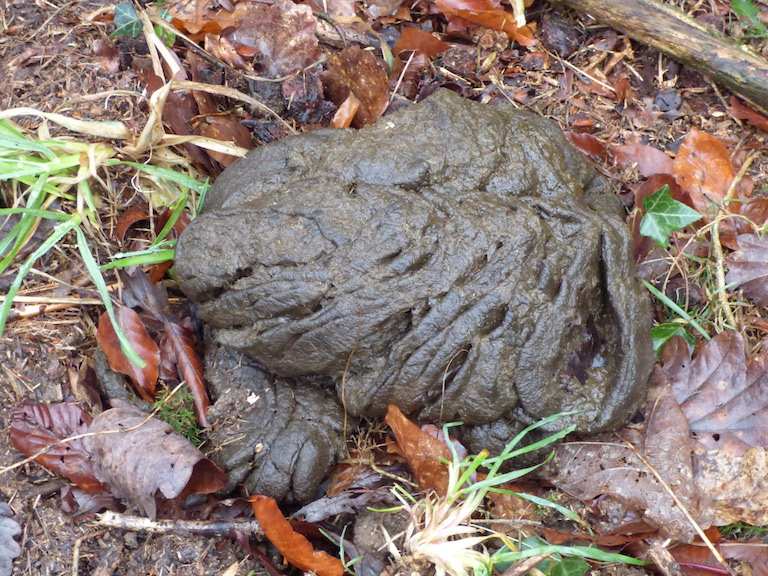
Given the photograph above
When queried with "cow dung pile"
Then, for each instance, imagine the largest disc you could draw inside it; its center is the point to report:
(462, 261)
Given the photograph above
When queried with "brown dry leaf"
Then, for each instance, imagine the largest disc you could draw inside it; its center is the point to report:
(225, 128)
(741, 111)
(748, 268)
(422, 451)
(199, 17)
(725, 398)
(107, 55)
(182, 341)
(589, 469)
(703, 169)
(649, 160)
(280, 35)
(588, 145)
(463, 13)
(134, 214)
(359, 72)
(147, 458)
(346, 112)
(417, 40)
(293, 546)
(37, 426)
(144, 379)
(754, 552)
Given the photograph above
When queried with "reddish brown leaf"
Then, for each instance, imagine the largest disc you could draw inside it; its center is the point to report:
(226, 129)
(649, 160)
(280, 35)
(486, 13)
(740, 111)
(182, 341)
(726, 401)
(417, 40)
(703, 169)
(294, 547)
(134, 214)
(748, 268)
(37, 426)
(612, 469)
(144, 379)
(588, 145)
(359, 72)
(422, 451)
(346, 112)
(755, 553)
(108, 56)
(147, 458)
(197, 17)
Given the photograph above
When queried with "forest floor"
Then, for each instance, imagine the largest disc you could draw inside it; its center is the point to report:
(615, 98)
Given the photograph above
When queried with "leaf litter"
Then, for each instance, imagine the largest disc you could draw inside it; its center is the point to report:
(704, 170)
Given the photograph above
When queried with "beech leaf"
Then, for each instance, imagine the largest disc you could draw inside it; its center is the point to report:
(144, 379)
(147, 459)
(422, 451)
(9, 548)
(663, 215)
(294, 547)
(703, 169)
(748, 268)
(37, 426)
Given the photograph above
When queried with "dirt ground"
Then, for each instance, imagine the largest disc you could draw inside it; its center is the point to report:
(46, 57)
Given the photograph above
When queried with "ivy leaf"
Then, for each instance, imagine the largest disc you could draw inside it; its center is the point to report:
(663, 333)
(127, 21)
(664, 214)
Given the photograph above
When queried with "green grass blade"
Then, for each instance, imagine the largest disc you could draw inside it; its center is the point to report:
(59, 232)
(675, 308)
(167, 174)
(178, 209)
(101, 286)
(580, 551)
(154, 257)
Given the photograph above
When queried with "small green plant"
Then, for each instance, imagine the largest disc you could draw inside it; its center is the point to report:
(748, 13)
(129, 23)
(664, 215)
(40, 173)
(441, 532)
(178, 411)
(744, 531)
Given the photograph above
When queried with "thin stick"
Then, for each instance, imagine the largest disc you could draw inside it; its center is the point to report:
(680, 505)
(247, 526)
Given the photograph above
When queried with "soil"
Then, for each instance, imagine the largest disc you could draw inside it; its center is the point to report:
(47, 57)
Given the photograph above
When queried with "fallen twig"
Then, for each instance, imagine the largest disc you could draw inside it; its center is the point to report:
(247, 526)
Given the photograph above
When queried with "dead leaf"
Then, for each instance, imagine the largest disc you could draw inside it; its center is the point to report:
(346, 112)
(9, 548)
(199, 17)
(417, 40)
(589, 469)
(107, 55)
(357, 71)
(741, 111)
(703, 169)
(190, 368)
(294, 547)
(725, 398)
(588, 145)
(37, 426)
(755, 553)
(147, 458)
(280, 36)
(144, 379)
(422, 451)
(649, 160)
(224, 128)
(488, 13)
(134, 214)
(748, 267)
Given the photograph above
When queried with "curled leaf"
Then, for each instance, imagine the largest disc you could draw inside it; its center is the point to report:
(294, 547)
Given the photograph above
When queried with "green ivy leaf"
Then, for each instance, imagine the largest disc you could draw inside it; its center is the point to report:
(663, 333)
(127, 21)
(664, 214)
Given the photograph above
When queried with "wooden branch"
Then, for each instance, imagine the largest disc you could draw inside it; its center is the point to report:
(682, 38)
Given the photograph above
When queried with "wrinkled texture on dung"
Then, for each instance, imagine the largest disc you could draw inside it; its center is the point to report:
(274, 437)
(459, 260)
